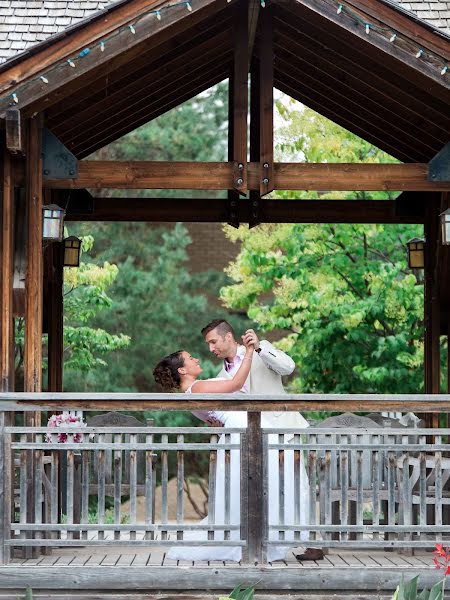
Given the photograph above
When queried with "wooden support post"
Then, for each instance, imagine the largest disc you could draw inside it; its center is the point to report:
(33, 284)
(239, 97)
(432, 309)
(255, 141)
(54, 264)
(7, 253)
(266, 183)
(33, 294)
(252, 491)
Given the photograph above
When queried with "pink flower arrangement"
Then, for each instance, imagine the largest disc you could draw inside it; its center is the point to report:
(65, 420)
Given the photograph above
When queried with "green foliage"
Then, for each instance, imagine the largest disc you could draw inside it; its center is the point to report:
(408, 591)
(351, 312)
(28, 593)
(85, 297)
(240, 594)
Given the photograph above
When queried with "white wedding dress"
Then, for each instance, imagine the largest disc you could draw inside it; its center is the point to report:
(235, 419)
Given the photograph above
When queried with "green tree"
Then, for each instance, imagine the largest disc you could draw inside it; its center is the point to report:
(85, 297)
(351, 312)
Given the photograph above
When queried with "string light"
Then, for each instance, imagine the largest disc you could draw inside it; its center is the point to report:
(390, 35)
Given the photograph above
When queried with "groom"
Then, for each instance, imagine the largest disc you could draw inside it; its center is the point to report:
(268, 366)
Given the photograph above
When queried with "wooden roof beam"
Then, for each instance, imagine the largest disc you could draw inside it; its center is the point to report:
(217, 210)
(219, 176)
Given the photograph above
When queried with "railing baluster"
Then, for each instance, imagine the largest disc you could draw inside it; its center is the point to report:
(359, 486)
(180, 485)
(376, 488)
(164, 481)
(85, 482)
(54, 477)
(344, 486)
(6, 490)
(281, 512)
(212, 485)
(149, 486)
(392, 462)
(423, 486)
(227, 498)
(117, 458)
(312, 476)
(133, 486)
(101, 465)
(406, 493)
(438, 484)
(69, 488)
(297, 484)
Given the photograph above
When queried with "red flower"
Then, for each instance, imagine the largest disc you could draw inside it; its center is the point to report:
(442, 559)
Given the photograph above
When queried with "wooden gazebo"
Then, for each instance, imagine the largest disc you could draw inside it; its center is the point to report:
(369, 65)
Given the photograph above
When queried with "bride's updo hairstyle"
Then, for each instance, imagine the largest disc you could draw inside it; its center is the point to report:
(166, 371)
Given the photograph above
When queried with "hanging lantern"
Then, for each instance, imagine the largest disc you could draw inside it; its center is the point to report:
(416, 253)
(72, 251)
(445, 224)
(53, 222)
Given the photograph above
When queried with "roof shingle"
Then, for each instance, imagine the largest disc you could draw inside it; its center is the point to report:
(30, 21)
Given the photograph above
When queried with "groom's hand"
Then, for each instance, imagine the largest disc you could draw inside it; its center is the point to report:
(213, 422)
(250, 337)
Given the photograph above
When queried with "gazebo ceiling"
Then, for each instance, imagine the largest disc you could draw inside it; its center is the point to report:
(389, 101)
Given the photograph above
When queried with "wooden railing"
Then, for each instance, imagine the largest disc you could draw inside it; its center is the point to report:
(377, 487)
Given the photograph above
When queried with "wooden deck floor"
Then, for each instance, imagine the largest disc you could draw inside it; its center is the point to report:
(101, 569)
(103, 556)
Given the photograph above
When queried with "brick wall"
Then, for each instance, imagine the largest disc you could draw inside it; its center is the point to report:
(210, 249)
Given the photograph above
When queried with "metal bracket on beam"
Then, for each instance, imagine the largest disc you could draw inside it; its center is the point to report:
(233, 209)
(254, 212)
(439, 166)
(58, 162)
(240, 177)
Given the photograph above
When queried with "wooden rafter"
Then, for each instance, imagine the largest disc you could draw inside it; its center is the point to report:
(219, 175)
(121, 49)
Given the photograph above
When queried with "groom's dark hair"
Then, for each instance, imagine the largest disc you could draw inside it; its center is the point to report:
(222, 326)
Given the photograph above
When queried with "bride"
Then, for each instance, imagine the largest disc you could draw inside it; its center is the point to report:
(179, 372)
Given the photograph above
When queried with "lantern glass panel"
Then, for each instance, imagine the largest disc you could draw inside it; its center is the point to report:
(72, 247)
(53, 222)
(416, 258)
(445, 225)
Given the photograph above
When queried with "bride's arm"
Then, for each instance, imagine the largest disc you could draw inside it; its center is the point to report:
(228, 385)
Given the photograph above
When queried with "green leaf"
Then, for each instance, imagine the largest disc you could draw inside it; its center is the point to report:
(424, 595)
(411, 589)
(235, 593)
(437, 591)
